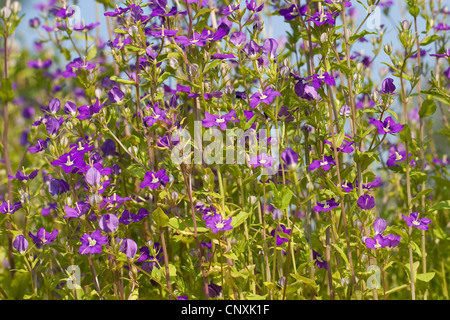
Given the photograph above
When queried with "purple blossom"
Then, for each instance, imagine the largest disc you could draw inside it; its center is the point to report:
(91, 244)
(325, 164)
(306, 91)
(379, 225)
(280, 238)
(115, 95)
(127, 217)
(317, 80)
(366, 202)
(24, 177)
(20, 243)
(158, 115)
(320, 263)
(80, 209)
(69, 162)
(39, 64)
(57, 187)
(154, 180)
(266, 97)
(290, 157)
(217, 120)
(108, 223)
(87, 112)
(129, 247)
(253, 6)
(414, 221)
(6, 207)
(43, 237)
(327, 206)
(261, 160)
(387, 86)
(218, 223)
(379, 241)
(386, 126)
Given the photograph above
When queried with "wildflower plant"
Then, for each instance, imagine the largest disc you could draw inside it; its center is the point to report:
(188, 153)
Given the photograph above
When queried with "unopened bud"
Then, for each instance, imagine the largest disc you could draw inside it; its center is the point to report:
(405, 25)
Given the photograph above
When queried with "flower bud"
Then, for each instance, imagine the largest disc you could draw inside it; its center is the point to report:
(277, 214)
(173, 63)
(405, 25)
(192, 70)
(16, 6)
(5, 12)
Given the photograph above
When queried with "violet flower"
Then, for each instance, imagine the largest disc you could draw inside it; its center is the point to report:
(387, 86)
(327, 206)
(217, 120)
(261, 160)
(129, 247)
(108, 223)
(20, 243)
(6, 207)
(80, 209)
(325, 164)
(218, 223)
(366, 202)
(414, 221)
(91, 244)
(319, 262)
(68, 162)
(379, 241)
(24, 177)
(266, 97)
(386, 126)
(127, 217)
(290, 157)
(379, 225)
(280, 238)
(154, 180)
(43, 237)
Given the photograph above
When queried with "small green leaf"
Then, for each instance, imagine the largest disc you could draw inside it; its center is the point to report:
(6, 92)
(92, 53)
(428, 108)
(425, 277)
(160, 218)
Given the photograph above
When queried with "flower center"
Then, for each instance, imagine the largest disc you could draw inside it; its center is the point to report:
(156, 116)
(69, 162)
(324, 163)
(220, 120)
(397, 156)
(92, 242)
(220, 225)
(387, 127)
(377, 245)
(319, 259)
(262, 161)
(326, 206)
(263, 96)
(322, 16)
(416, 223)
(155, 180)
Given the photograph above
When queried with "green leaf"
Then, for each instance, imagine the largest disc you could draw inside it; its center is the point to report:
(429, 39)
(428, 108)
(213, 64)
(6, 92)
(230, 255)
(120, 80)
(239, 219)
(92, 53)
(414, 11)
(160, 218)
(342, 253)
(425, 277)
(443, 205)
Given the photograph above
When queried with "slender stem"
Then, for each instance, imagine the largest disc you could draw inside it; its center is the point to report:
(94, 277)
(166, 260)
(199, 252)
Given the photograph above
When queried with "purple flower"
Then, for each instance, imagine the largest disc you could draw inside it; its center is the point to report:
(266, 97)
(325, 164)
(39, 64)
(414, 221)
(81, 209)
(396, 157)
(261, 160)
(196, 39)
(346, 146)
(378, 241)
(154, 180)
(285, 115)
(277, 214)
(52, 126)
(129, 247)
(237, 38)
(280, 238)
(321, 17)
(320, 263)
(57, 187)
(6, 207)
(217, 120)
(252, 6)
(115, 95)
(347, 186)
(70, 108)
(218, 223)
(158, 115)
(388, 87)
(393, 240)
(86, 112)
(386, 126)
(108, 223)
(306, 91)
(24, 177)
(379, 225)
(43, 237)
(127, 217)
(92, 243)
(317, 80)
(214, 290)
(20, 243)
(366, 202)
(148, 260)
(290, 157)
(68, 162)
(327, 206)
